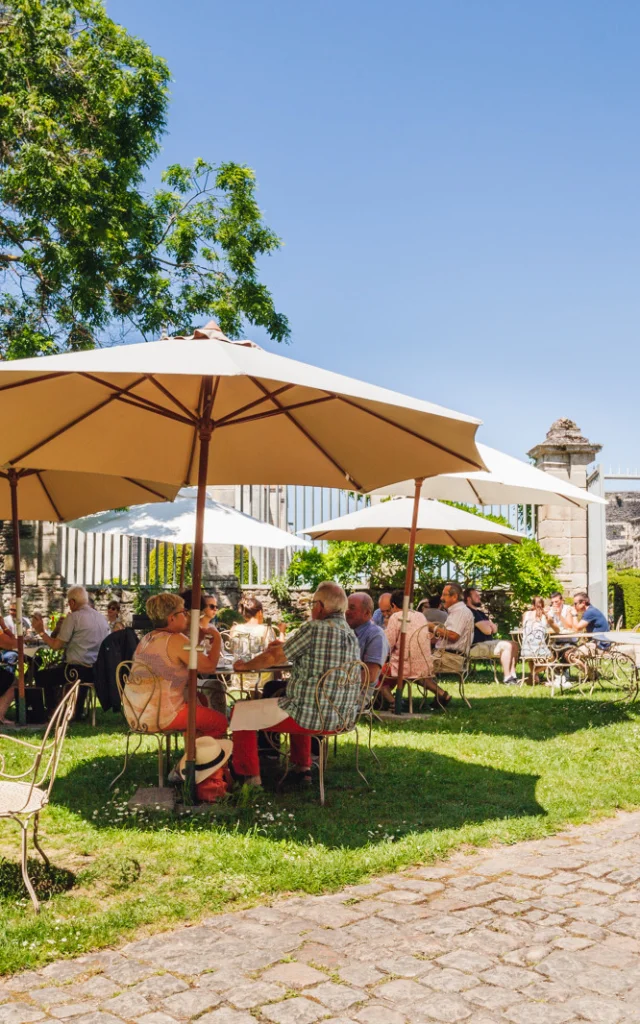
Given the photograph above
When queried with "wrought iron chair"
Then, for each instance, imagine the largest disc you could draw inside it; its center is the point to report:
(24, 794)
(71, 677)
(462, 672)
(419, 649)
(133, 718)
(333, 697)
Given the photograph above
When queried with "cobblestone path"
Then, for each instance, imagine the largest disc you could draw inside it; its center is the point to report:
(543, 932)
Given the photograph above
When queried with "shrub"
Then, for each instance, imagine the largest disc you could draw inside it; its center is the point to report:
(624, 595)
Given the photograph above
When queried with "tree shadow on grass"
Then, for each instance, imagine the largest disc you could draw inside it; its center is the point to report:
(416, 791)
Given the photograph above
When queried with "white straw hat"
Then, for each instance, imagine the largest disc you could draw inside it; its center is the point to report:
(210, 756)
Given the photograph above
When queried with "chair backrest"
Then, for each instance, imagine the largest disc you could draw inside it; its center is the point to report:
(137, 695)
(534, 638)
(41, 773)
(341, 696)
(636, 629)
(620, 622)
(418, 654)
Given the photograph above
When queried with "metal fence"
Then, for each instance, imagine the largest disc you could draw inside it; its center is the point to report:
(93, 559)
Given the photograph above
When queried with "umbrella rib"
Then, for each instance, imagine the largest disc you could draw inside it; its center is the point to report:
(46, 491)
(172, 398)
(308, 436)
(145, 487)
(30, 380)
(479, 500)
(452, 539)
(73, 423)
(274, 412)
(139, 400)
(251, 405)
(146, 406)
(194, 440)
(407, 430)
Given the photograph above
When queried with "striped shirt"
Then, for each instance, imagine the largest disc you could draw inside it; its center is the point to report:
(316, 647)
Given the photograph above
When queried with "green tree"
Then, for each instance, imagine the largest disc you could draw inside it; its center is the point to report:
(85, 253)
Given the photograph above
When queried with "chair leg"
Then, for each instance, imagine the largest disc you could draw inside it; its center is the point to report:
(321, 764)
(126, 761)
(92, 699)
(25, 873)
(371, 750)
(461, 691)
(160, 740)
(37, 844)
(360, 773)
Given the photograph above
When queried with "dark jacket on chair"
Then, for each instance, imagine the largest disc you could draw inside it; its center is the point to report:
(118, 646)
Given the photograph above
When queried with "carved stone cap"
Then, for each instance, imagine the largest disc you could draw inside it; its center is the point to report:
(564, 436)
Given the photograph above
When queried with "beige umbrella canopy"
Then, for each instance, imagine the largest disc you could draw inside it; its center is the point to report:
(57, 495)
(204, 410)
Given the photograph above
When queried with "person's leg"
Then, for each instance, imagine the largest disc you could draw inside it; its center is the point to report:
(51, 680)
(245, 717)
(8, 691)
(208, 722)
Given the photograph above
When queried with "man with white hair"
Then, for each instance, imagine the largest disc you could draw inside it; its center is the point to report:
(80, 636)
(326, 642)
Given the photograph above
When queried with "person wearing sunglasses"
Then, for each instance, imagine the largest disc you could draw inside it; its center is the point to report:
(155, 693)
(208, 612)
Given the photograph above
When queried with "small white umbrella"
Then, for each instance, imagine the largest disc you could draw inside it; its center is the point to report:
(411, 521)
(506, 481)
(391, 522)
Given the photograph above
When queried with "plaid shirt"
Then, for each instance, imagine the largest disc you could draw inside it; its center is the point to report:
(317, 646)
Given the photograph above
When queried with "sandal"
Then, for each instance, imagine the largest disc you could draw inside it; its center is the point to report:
(441, 703)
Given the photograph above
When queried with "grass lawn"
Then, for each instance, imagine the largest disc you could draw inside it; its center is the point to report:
(519, 764)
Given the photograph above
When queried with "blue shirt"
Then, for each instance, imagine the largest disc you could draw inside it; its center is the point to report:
(378, 618)
(596, 623)
(373, 644)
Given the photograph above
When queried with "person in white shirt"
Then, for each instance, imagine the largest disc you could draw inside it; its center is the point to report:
(80, 637)
(453, 639)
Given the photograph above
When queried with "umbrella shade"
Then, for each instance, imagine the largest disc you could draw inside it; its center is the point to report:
(389, 522)
(175, 523)
(57, 495)
(506, 481)
(139, 410)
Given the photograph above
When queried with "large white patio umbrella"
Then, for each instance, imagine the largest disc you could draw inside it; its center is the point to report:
(53, 496)
(175, 523)
(204, 410)
(412, 521)
(505, 481)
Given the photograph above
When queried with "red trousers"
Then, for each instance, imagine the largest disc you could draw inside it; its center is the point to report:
(208, 722)
(245, 747)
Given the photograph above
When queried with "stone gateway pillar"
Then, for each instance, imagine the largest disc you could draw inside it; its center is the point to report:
(562, 529)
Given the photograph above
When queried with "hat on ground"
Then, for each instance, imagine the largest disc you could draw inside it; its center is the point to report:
(210, 756)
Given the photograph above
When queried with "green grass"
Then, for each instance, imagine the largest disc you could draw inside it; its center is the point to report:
(520, 764)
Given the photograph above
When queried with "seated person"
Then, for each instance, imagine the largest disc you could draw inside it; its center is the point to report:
(250, 637)
(208, 612)
(485, 644)
(324, 643)
(560, 616)
(114, 618)
(430, 608)
(8, 643)
(453, 640)
(372, 640)
(10, 657)
(155, 693)
(80, 637)
(591, 620)
(534, 637)
(383, 611)
(417, 650)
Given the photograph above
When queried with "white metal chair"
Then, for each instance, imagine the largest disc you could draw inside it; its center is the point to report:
(71, 677)
(24, 794)
(462, 672)
(133, 718)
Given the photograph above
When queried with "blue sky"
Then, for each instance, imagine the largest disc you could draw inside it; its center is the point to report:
(456, 184)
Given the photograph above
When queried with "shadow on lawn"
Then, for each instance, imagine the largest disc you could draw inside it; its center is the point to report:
(417, 790)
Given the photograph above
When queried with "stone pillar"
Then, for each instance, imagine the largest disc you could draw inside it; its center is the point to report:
(562, 529)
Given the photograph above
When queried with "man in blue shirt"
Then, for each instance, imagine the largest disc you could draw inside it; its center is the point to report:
(591, 620)
(372, 641)
(383, 611)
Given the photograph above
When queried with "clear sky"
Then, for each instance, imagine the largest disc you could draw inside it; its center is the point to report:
(456, 183)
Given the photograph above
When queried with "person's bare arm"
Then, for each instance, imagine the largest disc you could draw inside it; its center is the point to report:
(374, 671)
(274, 655)
(486, 626)
(54, 642)
(440, 631)
(206, 662)
(8, 642)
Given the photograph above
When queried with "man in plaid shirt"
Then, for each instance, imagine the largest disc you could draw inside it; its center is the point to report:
(324, 643)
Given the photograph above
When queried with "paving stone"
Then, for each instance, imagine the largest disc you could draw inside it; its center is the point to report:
(19, 1013)
(72, 1010)
(401, 992)
(252, 993)
(492, 997)
(337, 997)
(49, 996)
(379, 1013)
(186, 1005)
(602, 1011)
(465, 960)
(360, 975)
(508, 977)
(225, 1015)
(405, 966)
(159, 986)
(446, 1007)
(294, 975)
(291, 1011)
(97, 987)
(97, 1018)
(538, 1013)
(447, 979)
(128, 1005)
(156, 1018)
(128, 972)
(321, 954)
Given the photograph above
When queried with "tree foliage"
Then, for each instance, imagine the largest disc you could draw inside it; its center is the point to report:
(85, 252)
(522, 570)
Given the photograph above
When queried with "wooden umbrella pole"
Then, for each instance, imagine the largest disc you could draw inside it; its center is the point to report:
(408, 591)
(13, 485)
(205, 432)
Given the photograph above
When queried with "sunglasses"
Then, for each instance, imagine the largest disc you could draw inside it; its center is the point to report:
(210, 605)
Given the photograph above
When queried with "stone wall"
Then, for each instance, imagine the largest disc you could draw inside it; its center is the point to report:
(623, 529)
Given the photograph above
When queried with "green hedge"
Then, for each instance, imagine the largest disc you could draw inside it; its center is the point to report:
(624, 595)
